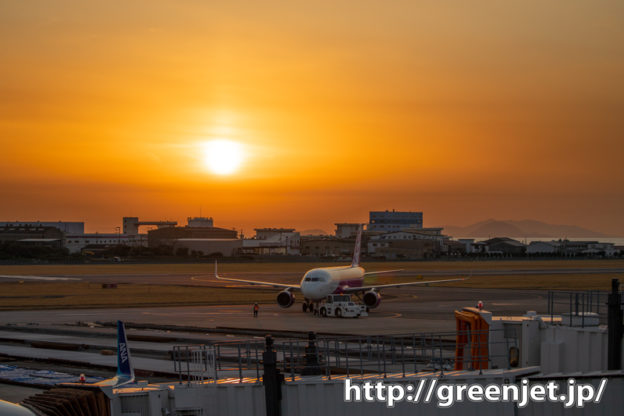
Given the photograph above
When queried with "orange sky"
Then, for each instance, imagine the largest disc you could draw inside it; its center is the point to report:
(466, 111)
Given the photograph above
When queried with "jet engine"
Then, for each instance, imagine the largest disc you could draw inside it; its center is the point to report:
(285, 299)
(372, 299)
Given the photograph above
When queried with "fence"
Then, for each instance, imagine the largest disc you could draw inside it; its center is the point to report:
(579, 304)
(396, 355)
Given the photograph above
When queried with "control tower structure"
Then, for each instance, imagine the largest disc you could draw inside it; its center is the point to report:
(131, 225)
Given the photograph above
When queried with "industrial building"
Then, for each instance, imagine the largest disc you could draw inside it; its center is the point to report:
(505, 246)
(328, 247)
(412, 234)
(196, 229)
(199, 236)
(403, 249)
(346, 229)
(79, 242)
(273, 241)
(454, 248)
(543, 247)
(412, 243)
(218, 247)
(468, 244)
(604, 249)
(572, 248)
(131, 225)
(31, 235)
(394, 220)
(17, 233)
(199, 222)
(71, 235)
(587, 248)
(168, 236)
(67, 227)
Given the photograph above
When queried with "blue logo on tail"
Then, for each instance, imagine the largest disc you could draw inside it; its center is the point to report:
(124, 369)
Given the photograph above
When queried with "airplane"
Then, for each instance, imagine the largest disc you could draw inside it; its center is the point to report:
(318, 283)
(125, 375)
(14, 409)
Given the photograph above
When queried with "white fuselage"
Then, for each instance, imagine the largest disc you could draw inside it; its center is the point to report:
(14, 409)
(317, 284)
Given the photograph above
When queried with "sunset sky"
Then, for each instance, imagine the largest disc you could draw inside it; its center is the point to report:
(463, 110)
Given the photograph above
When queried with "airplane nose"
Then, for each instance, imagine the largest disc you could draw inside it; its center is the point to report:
(309, 291)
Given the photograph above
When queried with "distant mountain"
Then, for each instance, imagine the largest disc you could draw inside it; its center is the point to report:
(314, 231)
(523, 228)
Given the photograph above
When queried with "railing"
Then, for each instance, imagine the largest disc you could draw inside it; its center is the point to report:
(380, 355)
(578, 304)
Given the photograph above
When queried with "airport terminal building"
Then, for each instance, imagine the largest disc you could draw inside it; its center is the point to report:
(169, 235)
(31, 235)
(67, 227)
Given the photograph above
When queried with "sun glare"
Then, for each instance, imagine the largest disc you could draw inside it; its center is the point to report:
(223, 157)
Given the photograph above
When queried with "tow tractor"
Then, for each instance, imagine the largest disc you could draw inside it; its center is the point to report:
(341, 306)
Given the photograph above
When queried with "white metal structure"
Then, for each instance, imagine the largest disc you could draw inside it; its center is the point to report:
(312, 396)
(321, 282)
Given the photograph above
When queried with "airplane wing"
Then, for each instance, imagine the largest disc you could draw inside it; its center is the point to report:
(428, 282)
(256, 282)
(382, 272)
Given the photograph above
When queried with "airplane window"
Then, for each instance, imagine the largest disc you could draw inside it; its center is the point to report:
(307, 279)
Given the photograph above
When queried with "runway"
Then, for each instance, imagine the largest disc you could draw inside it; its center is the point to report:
(412, 309)
(28, 335)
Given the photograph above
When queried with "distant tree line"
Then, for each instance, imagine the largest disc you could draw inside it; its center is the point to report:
(11, 250)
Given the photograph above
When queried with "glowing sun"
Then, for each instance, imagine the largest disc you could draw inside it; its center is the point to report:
(223, 157)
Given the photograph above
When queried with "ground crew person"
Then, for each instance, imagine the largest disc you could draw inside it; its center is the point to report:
(255, 309)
